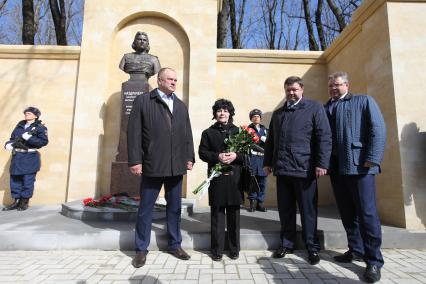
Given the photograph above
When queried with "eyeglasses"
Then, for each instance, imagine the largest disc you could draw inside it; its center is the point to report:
(332, 86)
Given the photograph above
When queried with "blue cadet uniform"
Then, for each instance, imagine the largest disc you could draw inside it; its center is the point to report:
(256, 164)
(24, 142)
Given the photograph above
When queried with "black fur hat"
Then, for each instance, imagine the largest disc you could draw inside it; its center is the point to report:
(255, 112)
(33, 110)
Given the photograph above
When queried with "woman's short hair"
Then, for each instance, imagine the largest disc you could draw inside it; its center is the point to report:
(223, 104)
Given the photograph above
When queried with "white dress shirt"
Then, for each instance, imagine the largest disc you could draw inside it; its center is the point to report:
(167, 99)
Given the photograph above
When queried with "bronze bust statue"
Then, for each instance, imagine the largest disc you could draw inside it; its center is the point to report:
(139, 64)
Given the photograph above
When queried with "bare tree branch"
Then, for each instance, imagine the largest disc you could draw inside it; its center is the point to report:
(57, 8)
(28, 30)
(338, 14)
(320, 29)
(312, 42)
(2, 4)
(222, 24)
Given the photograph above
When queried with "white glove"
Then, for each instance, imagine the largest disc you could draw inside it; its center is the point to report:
(263, 138)
(8, 146)
(26, 136)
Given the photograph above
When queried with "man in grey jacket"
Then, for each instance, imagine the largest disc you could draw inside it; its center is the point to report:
(160, 150)
(359, 136)
(298, 151)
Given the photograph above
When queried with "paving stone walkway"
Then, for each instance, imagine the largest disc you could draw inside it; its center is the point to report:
(92, 266)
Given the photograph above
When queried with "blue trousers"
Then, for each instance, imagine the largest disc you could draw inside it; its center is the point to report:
(22, 186)
(150, 188)
(259, 196)
(356, 200)
(303, 191)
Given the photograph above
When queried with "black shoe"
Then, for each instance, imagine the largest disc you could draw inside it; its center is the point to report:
(260, 207)
(372, 273)
(347, 257)
(216, 257)
(23, 204)
(252, 206)
(12, 206)
(281, 252)
(139, 259)
(180, 253)
(313, 257)
(234, 255)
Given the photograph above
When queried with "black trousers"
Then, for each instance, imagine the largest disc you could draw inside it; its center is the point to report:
(303, 191)
(218, 214)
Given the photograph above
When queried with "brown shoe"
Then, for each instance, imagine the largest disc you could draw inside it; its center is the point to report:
(139, 259)
(180, 253)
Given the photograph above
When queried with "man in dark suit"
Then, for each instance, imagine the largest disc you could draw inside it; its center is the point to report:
(160, 149)
(298, 151)
(359, 136)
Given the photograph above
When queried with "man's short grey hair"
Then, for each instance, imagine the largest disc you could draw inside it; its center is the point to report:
(164, 69)
(339, 74)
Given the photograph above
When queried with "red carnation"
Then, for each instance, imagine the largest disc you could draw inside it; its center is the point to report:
(87, 201)
(255, 139)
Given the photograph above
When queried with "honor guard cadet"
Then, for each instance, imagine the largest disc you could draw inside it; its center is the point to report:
(28, 136)
(257, 199)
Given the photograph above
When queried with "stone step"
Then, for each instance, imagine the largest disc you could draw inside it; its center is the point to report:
(45, 228)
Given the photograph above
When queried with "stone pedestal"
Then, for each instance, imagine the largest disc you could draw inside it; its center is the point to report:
(121, 178)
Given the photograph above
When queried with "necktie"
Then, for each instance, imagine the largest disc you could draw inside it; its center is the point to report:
(332, 107)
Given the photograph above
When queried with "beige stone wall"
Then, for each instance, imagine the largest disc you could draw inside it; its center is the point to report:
(407, 44)
(44, 77)
(255, 79)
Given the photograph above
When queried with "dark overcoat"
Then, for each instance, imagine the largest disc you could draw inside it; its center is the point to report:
(156, 138)
(256, 161)
(225, 189)
(299, 140)
(29, 162)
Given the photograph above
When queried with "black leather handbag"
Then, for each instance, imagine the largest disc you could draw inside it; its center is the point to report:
(249, 182)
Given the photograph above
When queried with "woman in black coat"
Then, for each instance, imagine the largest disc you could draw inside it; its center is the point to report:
(224, 192)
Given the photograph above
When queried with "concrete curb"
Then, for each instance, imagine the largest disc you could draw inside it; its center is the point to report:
(44, 228)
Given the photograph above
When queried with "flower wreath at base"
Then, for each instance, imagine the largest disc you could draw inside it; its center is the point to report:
(119, 201)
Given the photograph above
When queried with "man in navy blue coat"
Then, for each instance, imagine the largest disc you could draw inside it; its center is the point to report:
(28, 136)
(359, 137)
(298, 151)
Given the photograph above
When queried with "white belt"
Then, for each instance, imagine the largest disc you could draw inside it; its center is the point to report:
(256, 153)
(25, 151)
